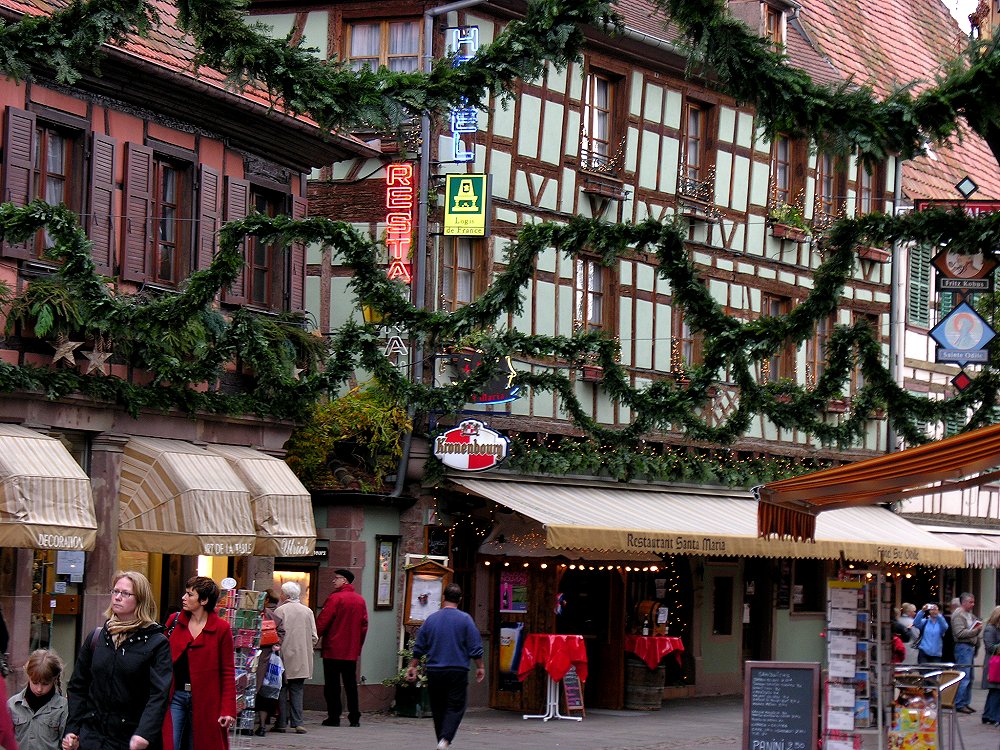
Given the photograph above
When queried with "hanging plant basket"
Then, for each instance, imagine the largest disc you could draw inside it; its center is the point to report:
(877, 254)
(591, 373)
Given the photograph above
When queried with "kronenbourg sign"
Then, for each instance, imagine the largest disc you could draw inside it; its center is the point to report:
(471, 446)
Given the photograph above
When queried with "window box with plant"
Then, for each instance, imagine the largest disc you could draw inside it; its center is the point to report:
(788, 221)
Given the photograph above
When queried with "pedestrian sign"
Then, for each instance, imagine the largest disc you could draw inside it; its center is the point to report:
(465, 207)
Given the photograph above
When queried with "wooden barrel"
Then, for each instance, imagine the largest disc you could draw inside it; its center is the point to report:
(643, 686)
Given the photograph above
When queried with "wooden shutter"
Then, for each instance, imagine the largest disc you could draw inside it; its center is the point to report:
(297, 282)
(918, 298)
(18, 165)
(209, 214)
(100, 224)
(138, 210)
(237, 207)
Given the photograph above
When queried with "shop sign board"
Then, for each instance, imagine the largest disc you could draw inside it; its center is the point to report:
(780, 705)
(465, 207)
(964, 272)
(400, 199)
(500, 389)
(471, 446)
(962, 337)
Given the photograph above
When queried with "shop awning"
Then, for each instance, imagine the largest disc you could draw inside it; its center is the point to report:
(179, 499)
(981, 547)
(704, 521)
(282, 506)
(788, 507)
(46, 500)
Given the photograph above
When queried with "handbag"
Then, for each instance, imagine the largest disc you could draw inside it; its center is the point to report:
(993, 672)
(268, 632)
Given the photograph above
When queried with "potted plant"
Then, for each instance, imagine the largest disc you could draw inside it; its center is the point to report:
(590, 371)
(412, 698)
(788, 221)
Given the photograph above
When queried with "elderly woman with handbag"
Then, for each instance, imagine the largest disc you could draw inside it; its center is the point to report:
(991, 668)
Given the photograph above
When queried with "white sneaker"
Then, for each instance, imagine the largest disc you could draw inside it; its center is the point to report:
(443, 745)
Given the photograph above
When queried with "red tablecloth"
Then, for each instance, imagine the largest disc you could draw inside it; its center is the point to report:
(556, 653)
(652, 648)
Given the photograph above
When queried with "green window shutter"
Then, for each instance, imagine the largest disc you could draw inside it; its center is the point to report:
(918, 302)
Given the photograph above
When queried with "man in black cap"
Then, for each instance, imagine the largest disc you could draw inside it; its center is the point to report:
(342, 626)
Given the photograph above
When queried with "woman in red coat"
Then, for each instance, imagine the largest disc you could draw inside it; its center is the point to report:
(203, 704)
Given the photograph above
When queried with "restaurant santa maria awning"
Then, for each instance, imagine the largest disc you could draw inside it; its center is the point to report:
(282, 506)
(177, 498)
(46, 500)
(715, 522)
(789, 507)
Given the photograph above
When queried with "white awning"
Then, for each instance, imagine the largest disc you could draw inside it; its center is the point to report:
(981, 546)
(46, 499)
(177, 498)
(704, 521)
(282, 506)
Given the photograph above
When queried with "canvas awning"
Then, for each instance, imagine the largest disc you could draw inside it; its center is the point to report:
(788, 507)
(703, 521)
(179, 499)
(981, 548)
(282, 506)
(46, 499)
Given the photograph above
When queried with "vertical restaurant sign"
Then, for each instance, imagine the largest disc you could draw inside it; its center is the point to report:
(463, 43)
(471, 446)
(466, 196)
(399, 201)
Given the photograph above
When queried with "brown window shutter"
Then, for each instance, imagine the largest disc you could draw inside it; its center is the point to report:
(297, 282)
(209, 214)
(18, 157)
(237, 207)
(100, 224)
(138, 206)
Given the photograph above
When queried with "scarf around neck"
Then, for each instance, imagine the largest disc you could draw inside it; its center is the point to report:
(122, 629)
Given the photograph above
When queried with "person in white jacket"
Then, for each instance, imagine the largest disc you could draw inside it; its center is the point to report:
(297, 637)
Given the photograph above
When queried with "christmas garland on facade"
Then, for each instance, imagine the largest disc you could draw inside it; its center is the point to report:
(139, 326)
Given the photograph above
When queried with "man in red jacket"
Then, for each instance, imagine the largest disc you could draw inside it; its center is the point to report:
(342, 626)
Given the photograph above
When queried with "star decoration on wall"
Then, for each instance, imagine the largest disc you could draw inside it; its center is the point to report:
(296, 372)
(64, 350)
(98, 361)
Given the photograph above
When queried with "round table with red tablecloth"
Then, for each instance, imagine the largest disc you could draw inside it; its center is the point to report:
(556, 654)
(652, 648)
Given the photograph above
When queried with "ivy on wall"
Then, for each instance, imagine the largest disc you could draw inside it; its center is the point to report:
(189, 346)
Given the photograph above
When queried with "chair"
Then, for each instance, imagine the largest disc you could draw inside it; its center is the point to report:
(947, 683)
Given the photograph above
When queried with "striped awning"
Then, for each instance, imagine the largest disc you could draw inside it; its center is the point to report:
(46, 500)
(981, 547)
(179, 499)
(789, 506)
(282, 506)
(715, 522)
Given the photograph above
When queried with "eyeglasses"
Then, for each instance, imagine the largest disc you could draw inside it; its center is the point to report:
(122, 594)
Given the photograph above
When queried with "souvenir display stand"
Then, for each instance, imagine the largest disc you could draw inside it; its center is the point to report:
(243, 609)
(556, 653)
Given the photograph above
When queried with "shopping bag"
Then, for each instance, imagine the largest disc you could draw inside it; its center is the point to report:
(993, 673)
(272, 679)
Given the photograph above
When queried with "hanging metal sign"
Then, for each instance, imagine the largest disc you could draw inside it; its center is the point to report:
(962, 337)
(471, 446)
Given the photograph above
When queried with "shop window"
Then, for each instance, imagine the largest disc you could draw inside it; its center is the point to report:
(722, 605)
(919, 288)
(590, 295)
(809, 586)
(781, 364)
(462, 272)
(391, 44)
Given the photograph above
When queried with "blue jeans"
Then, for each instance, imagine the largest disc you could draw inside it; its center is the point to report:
(964, 654)
(180, 716)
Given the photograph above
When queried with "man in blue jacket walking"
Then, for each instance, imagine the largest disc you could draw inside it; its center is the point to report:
(449, 638)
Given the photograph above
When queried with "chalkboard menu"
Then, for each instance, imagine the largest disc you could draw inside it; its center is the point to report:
(780, 705)
(573, 691)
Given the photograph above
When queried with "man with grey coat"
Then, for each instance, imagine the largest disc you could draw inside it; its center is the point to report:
(297, 637)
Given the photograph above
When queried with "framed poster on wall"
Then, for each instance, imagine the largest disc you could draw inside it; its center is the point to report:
(385, 566)
(424, 591)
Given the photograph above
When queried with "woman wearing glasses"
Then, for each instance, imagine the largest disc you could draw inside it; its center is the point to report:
(203, 705)
(120, 689)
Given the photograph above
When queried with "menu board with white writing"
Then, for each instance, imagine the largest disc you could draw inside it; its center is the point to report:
(780, 705)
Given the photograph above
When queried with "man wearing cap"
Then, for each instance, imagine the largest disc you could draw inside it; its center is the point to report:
(342, 626)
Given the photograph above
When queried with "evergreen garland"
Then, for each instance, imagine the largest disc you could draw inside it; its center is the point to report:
(185, 343)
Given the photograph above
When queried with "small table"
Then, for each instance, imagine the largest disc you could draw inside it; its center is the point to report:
(652, 648)
(556, 653)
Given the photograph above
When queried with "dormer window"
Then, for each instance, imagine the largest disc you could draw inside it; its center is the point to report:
(773, 25)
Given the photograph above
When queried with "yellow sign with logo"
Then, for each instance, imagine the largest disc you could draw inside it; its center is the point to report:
(466, 196)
